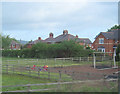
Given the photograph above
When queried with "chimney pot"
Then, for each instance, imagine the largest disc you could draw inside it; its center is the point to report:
(76, 36)
(65, 32)
(39, 38)
(51, 35)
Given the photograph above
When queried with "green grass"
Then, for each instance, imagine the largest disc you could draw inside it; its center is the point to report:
(15, 79)
(41, 62)
(30, 62)
(82, 87)
(53, 76)
(10, 79)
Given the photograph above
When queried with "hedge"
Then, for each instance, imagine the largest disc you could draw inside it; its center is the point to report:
(43, 50)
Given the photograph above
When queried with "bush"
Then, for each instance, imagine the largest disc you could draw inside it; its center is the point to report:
(11, 53)
(43, 50)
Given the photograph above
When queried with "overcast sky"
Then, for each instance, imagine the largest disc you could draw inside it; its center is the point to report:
(28, 20)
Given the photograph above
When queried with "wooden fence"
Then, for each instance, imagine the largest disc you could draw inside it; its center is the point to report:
(58, 87)
(74, 59)
(63, 75)
(28, 71)
(87, 59)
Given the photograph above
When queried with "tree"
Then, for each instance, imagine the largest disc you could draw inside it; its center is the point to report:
(6, 42)
(114, 27)
(70, 48)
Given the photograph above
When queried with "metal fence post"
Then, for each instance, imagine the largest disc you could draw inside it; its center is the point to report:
(94, 60)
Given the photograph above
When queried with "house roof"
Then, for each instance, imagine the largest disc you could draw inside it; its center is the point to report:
(85, 40)
(108, 35)
(63, 37)
(36, 41)
(113, 34)
(50, 39)
(14, 42)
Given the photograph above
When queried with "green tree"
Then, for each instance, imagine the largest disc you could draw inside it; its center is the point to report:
(70, 48)
(6, 42)
(114, 27)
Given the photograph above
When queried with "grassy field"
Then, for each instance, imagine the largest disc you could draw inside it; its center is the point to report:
(30, 62)
(41, 62)
(50, 62)
(78, 87)
(17, 79)
(10, 79)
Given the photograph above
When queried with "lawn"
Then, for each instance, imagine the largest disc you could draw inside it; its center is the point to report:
(15, 77)
(18, 63)
(41, 62)
(9, 80)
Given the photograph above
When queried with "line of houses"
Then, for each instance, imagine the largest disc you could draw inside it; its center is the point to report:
(104, 41)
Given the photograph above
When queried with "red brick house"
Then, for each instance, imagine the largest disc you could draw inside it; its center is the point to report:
(106, 41)
(14, 45)
(50, 39)
(63, 37)
(29, 45)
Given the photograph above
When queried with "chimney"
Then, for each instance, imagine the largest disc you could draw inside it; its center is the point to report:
(76, 36)
(51, 35)
(39, 38)
(65, 32)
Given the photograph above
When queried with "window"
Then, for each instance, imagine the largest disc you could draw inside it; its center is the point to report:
(101, 49)
(101, 40)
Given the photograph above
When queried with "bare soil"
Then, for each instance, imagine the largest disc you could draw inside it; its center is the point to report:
(83, 72)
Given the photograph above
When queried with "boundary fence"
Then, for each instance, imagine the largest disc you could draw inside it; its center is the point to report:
(58, 85)
(28, 71)
(58, 75)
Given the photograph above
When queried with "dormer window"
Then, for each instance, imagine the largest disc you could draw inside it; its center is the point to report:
(101, 40)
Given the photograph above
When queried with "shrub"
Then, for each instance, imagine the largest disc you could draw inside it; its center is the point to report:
(43, 50)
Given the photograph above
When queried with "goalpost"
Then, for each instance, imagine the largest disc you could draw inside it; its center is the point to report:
(94, 57)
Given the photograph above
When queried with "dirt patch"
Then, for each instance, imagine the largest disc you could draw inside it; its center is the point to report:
(83, 72)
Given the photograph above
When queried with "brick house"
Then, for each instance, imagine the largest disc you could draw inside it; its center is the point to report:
(50, 39)
(29, 45)
(106, 41)
(63, 37)
(15, 46)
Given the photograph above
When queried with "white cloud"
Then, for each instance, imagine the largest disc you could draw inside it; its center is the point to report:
(60, 1)
(78, 18)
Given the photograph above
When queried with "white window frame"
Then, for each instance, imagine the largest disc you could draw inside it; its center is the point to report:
(100, 40)
(101, 49)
